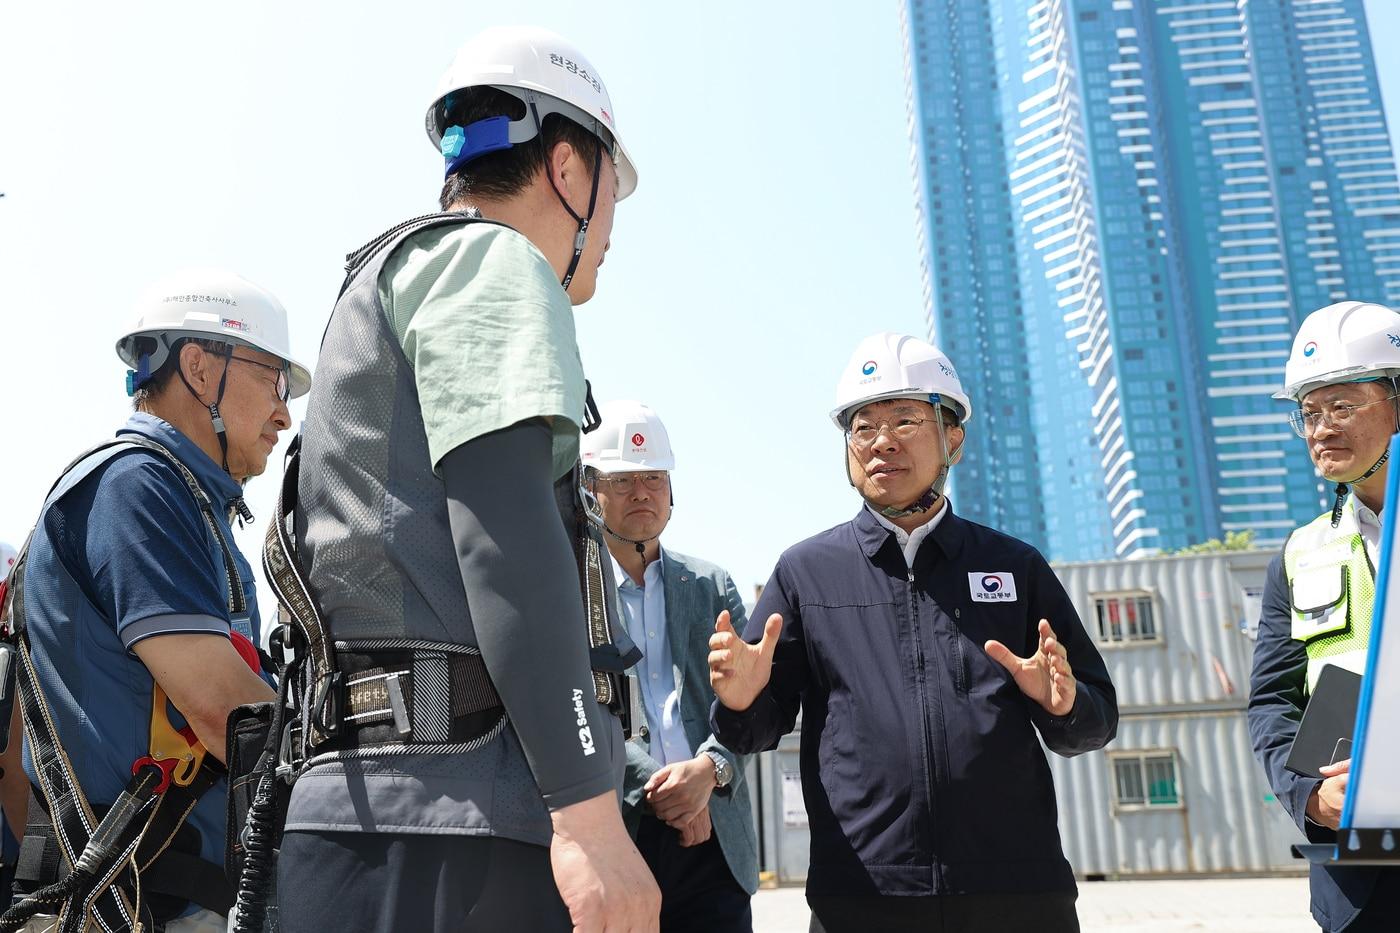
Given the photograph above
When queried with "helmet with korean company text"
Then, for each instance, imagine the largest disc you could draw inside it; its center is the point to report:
(630, 439)
(209, 304)
(887, 366)
(545, 71)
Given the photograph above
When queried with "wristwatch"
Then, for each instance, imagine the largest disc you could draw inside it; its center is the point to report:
(724, 771)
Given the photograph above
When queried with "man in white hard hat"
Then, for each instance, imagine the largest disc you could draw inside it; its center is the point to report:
(925, 653)
(138, 615)
(440, 528)
(1320, 593)
(687, 798)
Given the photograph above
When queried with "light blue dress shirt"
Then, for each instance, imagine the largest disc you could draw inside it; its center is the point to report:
(645, 610)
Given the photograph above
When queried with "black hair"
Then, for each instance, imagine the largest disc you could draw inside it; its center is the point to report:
(507, 172)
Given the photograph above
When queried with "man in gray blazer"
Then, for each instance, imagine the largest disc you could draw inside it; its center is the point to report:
(684, 795)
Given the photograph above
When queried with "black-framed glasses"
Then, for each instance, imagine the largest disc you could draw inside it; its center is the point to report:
(1337, 415)
(620, 484)
(284, 381)
(862, 434)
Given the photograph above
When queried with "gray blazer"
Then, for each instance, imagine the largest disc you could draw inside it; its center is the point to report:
(696, 593)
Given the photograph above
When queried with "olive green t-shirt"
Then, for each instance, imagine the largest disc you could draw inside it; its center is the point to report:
(489, 333)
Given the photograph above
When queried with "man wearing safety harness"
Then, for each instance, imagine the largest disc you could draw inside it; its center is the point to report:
(136, 617)
(1320, 592)
(686, 795)
(470, 756)
(14, 786)
(925, 653)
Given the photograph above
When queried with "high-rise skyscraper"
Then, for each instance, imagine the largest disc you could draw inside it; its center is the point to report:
(1126, 207)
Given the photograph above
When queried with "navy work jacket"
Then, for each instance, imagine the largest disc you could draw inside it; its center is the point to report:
(920, 766)
(1277, 697)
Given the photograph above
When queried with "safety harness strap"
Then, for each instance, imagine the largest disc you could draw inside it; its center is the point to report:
(104, 858)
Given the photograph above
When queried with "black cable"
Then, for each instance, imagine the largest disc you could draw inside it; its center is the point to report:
(259, 830)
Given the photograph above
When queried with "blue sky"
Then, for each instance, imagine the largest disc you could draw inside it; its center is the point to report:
(771, 229)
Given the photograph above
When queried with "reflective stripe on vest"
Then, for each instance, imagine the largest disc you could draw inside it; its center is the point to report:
(1332, 590)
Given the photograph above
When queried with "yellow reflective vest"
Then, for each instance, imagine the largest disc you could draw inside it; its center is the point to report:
(1332, 590)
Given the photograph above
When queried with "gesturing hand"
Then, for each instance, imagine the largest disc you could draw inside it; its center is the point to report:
(738, 670)
(1045, 676)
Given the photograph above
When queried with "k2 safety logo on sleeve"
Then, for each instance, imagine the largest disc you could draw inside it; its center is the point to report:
(999, 587)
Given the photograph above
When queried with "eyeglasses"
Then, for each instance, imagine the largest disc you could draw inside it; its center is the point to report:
(863, 434)
(284, 382)
(620, 484)
(1338, 416)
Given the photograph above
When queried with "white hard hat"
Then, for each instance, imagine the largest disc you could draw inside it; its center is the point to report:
(212, 304)
(538, 67)
(886, 366)
(8, 556)
(1350, 341)
(631, 439)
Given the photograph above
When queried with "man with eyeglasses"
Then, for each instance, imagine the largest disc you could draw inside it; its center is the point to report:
(139, 611)
(925, 653)
(1319, 597)
(685, 794)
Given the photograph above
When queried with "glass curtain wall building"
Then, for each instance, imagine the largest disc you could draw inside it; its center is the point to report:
(1125, 208)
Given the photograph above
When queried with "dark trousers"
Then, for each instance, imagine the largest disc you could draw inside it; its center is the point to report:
(1382, 911)
(960, 913)
(698, 891)
(377, 883)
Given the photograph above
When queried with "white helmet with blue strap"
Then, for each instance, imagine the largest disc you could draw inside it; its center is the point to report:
(544, 70)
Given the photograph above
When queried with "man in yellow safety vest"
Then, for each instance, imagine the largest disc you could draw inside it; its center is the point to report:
(1342, 373)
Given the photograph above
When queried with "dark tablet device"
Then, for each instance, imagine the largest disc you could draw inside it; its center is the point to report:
(1324, 735)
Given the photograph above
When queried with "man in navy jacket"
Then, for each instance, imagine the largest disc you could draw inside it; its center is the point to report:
(925, 652)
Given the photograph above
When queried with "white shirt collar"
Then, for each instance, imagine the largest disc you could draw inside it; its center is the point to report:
(1369, 524)
(909, 541)
(650, 576)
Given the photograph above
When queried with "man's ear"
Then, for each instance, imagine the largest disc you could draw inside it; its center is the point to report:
(194, 362)
(957, 440)
(564, 166)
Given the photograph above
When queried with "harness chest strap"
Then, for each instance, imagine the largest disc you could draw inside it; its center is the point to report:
(144, 821)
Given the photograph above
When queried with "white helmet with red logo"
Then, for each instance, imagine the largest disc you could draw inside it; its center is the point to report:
(211, 304)
(8, 556)
(630, 439)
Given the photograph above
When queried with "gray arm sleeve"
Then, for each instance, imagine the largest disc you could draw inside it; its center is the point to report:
(522, 588)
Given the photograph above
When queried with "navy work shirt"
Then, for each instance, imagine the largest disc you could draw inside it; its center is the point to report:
(920, 766)
(126, 555)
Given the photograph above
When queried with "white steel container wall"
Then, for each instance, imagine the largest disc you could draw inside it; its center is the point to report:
(1184, 693)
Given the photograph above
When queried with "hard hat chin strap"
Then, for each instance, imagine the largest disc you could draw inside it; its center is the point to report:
(930, 498)
(244, 513)
(1343, 488)
(638, 543)
(214, 417)
(594, 510)
(582, 236)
